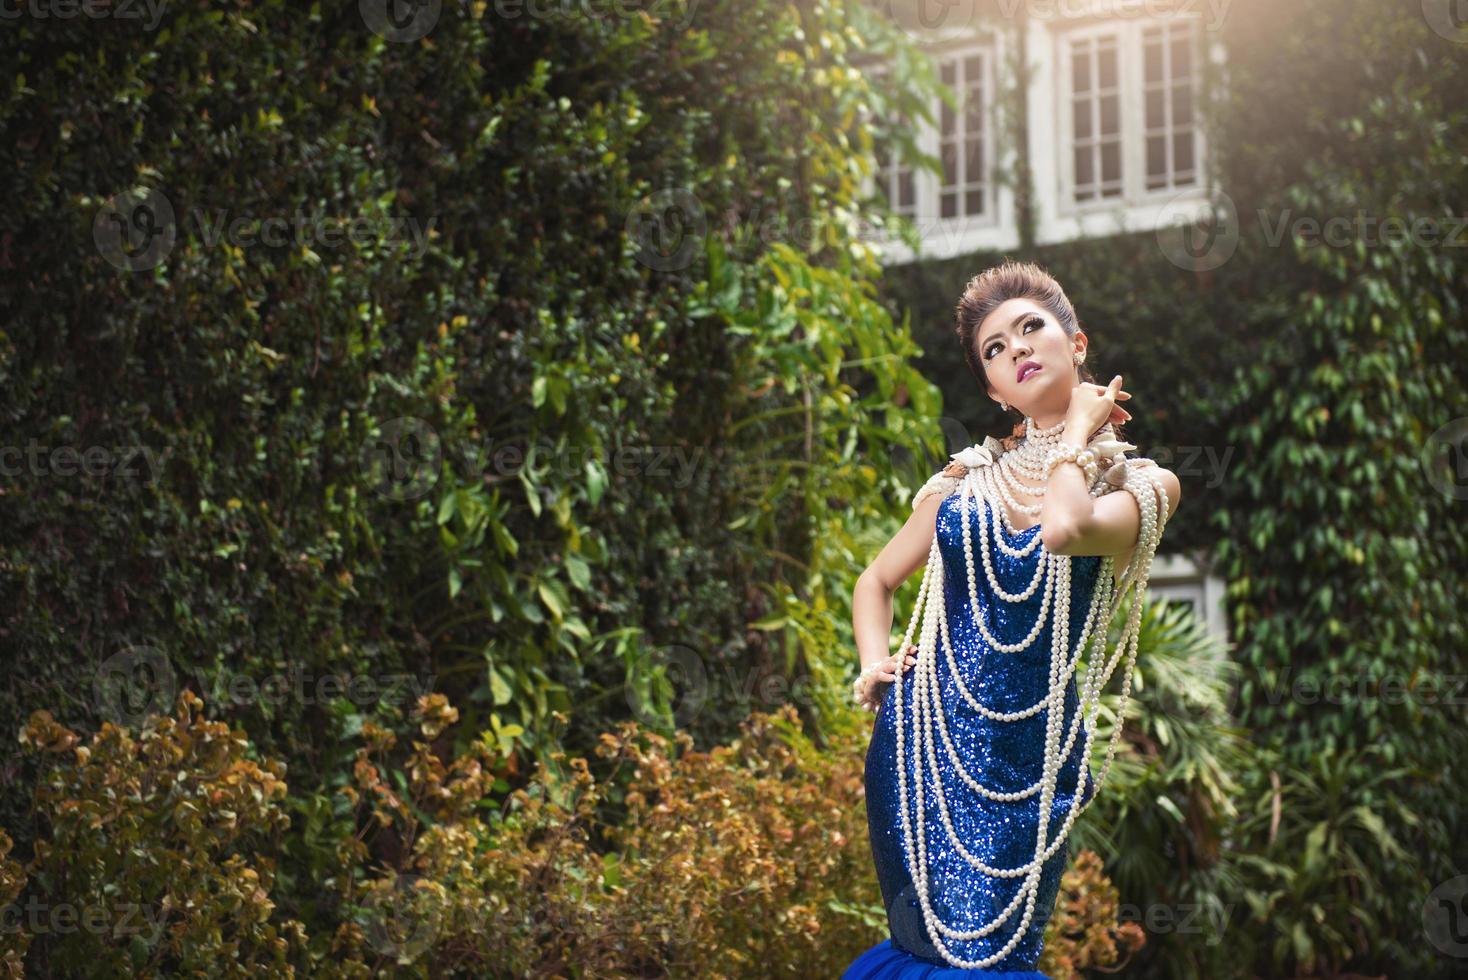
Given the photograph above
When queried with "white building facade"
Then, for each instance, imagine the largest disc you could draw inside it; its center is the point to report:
(1113, 136)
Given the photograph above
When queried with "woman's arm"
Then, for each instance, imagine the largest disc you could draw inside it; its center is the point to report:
(1075, 523)
(1067, 506)
(871, 600)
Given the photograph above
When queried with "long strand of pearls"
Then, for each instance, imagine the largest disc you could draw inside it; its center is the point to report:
(995, 483)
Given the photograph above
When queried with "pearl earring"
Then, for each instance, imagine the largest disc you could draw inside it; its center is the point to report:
(1080, 356)
(1004, 404)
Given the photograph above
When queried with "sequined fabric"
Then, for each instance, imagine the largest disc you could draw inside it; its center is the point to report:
(1005, 756)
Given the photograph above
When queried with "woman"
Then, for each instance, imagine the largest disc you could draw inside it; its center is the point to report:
(1028, 550)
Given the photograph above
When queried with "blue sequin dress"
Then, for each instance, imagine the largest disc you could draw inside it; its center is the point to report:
(1005, 756)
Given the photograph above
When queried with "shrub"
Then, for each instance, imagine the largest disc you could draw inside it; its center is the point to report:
(750, 859)
(1084, 932)
(149, 847)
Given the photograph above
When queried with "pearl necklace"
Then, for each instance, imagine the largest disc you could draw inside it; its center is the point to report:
(993, 482)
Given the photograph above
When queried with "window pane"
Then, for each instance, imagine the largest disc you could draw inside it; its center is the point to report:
(1084, 172)
(1155, 116)
(948, 73)
(1110, 114)
(1182, 105)
(1182, 56)
(1110, 162)
(950, 205)
(905, 196)
(950, 164)
(974, 165)
(973, 70)
(1156, 155)
(1182, 150)
(974, 202)
(1081, 111)
(1080, 63)
(1153, 61)
(1106, 68)
(973, 111)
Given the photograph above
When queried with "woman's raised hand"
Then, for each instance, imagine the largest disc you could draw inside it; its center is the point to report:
(1092, 406)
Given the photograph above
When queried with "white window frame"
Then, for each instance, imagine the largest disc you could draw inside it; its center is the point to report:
(1065, 116)
(1168, 129)
(1185, 577)
(995, 228)
(958, 57)
(890, 182)
(1059, 217)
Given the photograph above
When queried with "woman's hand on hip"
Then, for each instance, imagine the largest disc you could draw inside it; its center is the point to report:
(885, 673)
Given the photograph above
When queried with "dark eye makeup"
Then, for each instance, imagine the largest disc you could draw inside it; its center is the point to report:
(1032, 321)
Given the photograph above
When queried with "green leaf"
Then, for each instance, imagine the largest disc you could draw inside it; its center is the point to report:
(532, 495)
(579, 572)
(1315, 844)
(498, 688)
(554, 598)
(504, 538)
(1166, 803)
(557, 389)
(611, 870)
(596, 482)
(1301, 940)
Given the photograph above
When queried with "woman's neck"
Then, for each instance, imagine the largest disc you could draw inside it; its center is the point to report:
(1047, 420)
